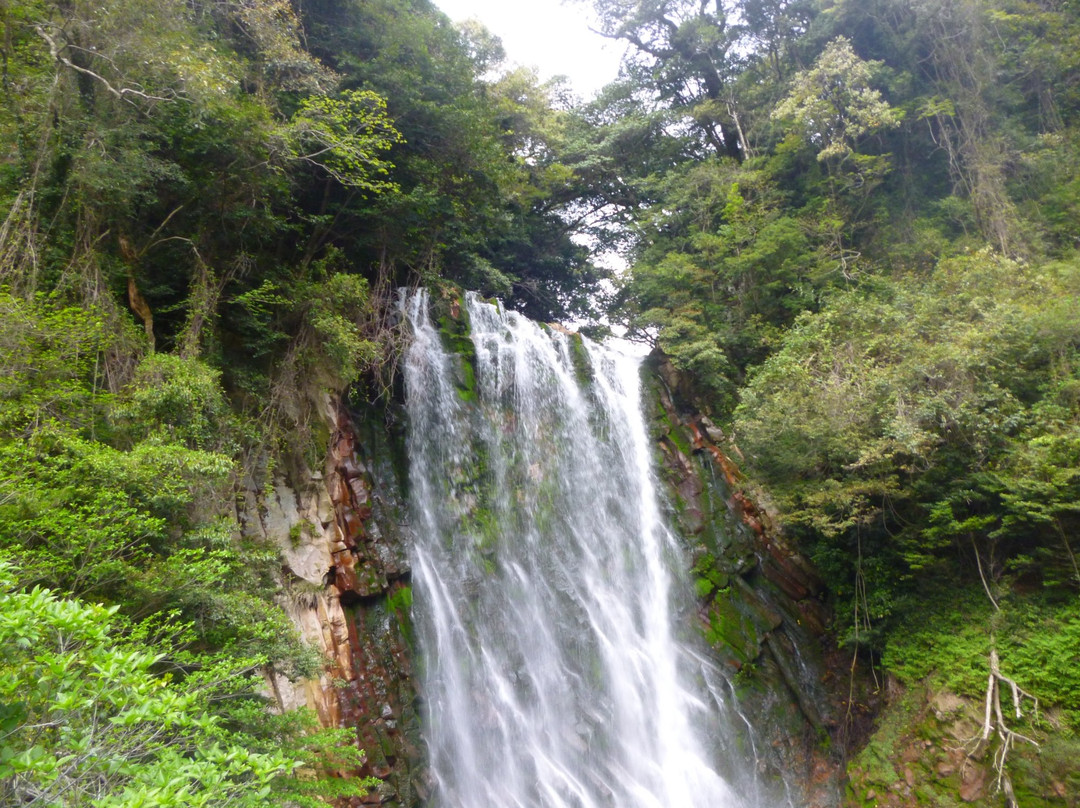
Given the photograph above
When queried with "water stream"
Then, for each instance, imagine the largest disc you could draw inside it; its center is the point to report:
(544, 597)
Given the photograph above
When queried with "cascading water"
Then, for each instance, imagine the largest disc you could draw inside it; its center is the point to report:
(543, 596)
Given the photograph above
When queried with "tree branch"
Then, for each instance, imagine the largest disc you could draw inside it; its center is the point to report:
(994, 721)
(56, 51)
(982, 577)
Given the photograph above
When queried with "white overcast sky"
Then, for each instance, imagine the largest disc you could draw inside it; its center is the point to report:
(547, 34)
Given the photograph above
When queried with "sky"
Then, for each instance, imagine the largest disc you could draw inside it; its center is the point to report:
(547, 34)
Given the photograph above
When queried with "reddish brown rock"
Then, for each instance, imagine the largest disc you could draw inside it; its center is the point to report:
(973, 782)
(339, 570)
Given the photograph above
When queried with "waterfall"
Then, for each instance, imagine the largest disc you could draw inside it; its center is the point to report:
(544, 598)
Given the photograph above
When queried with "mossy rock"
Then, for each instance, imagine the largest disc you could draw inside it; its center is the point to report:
(579, 356)
(919, 755)
(738, 621)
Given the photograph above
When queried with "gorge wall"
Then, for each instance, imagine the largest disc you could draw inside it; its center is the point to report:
(760, 602)
(344, 536)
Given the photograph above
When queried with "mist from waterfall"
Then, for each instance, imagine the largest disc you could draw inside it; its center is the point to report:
(544, 596)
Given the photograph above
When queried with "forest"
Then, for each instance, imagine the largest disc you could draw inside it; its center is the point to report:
(853, 224)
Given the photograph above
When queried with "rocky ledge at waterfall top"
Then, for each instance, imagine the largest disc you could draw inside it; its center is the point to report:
(344, 538)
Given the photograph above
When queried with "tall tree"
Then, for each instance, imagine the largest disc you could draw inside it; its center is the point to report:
(683, 56)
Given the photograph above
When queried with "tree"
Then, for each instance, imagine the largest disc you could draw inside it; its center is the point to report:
(908, 422)
(834, 106)
(720, 271)
(682, 57)
(344, 136)
(773, 29)
(834, 103)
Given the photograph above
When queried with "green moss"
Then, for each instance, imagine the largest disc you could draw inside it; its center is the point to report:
(484, 528)
(449, 311)
(454, 332)
(679, 437)
(579, 356)
(876, 763)
(875, 760)
(746, 675)
(732, 630)
(467, 386)
(927, 794)
(709, 579)
(708, 570)
(400, 600)
(915, 735)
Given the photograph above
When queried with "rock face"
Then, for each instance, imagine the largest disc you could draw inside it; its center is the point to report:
(759, 602)
(343, 539)
(925, 751)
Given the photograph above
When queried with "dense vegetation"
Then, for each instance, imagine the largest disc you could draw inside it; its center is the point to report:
(205, 209)
(863, 248)
(853, 223)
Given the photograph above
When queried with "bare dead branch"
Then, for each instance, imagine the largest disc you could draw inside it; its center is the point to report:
(982, 577)
(994, 723)
(122, 93)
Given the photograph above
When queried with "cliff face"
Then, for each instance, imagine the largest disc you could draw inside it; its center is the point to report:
(760, 604)
(344, 538)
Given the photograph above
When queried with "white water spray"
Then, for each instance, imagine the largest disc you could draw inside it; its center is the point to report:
(543, 597)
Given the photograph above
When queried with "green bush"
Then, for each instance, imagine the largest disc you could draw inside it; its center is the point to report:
(178, 400)
(84, 721)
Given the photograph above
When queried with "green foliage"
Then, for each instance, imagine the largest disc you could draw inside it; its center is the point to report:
(726, 270)
(320, 754)
(172, 399)
(139, 529)
(86, 722)
(949, 642)
(253, 180)
(343, 136)
(905, 426)
(335, 310)
(681, 53)
(81, 514)
(126, 498)
(87, 718)
(1041, 644)
(481, 183)
(834, 103)
(47, 355)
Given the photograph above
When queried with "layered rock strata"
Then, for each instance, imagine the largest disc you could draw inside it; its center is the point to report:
(342, 534)
(760, 603)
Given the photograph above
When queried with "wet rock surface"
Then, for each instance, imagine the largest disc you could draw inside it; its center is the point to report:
(343, 538)
(760, 603)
